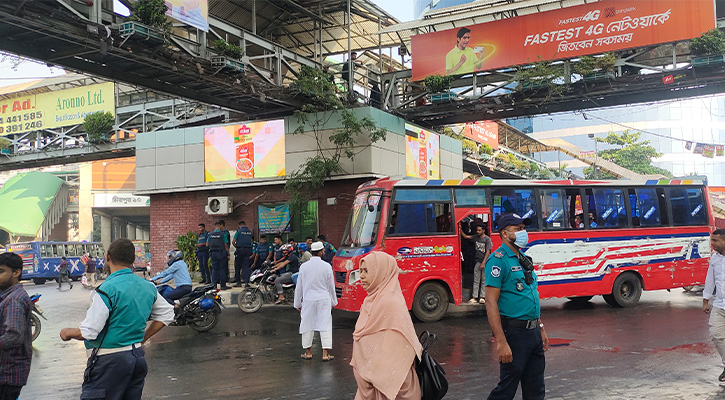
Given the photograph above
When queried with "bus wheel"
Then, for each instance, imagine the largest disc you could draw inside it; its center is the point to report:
(688, 288)
(625, 292)
(430, 302)
(39, 281)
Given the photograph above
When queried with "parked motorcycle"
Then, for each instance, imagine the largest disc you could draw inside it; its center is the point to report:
(35, 313)
(261, 289)
(200, 309)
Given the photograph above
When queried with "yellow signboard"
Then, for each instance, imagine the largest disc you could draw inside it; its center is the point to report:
(54, 109)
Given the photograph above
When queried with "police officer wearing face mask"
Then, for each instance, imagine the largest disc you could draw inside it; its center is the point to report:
(512, 306)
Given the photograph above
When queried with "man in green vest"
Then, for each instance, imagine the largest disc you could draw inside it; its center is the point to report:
(115, 328)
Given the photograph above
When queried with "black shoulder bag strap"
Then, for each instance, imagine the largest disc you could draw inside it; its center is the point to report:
(94, 354)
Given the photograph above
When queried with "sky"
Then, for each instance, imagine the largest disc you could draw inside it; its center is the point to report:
(400, 9)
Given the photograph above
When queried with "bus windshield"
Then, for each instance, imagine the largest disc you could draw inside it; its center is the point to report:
(362, 227)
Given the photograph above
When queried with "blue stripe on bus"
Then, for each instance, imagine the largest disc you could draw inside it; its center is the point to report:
(612, 238)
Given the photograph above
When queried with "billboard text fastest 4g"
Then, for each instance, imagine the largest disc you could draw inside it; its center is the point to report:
(244, 151)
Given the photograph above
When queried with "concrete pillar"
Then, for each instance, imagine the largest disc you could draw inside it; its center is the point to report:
(106, 227)
(131, 231)
(85, 203)
(146, 235)
(139, 233)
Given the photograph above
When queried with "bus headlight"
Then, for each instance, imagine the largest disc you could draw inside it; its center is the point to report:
(354, 277)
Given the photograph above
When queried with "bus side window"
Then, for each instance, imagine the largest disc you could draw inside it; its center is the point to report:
(45, 250)
(435, 218)
(519, 201)
(607, 209)
(649, 207)
(575, 214)
(552, 209)
(70, 250)
(634, 207)
(687, 206)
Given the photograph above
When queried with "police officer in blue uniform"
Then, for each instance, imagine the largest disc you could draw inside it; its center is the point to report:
(242, 253)
(202, 254)
(514, 313)
(218, 252)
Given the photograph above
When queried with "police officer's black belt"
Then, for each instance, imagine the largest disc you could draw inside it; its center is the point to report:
(508, 323)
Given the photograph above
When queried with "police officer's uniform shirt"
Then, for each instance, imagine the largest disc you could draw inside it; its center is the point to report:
(243, 238)
(216, 241)
(202, 240)
(517, 300)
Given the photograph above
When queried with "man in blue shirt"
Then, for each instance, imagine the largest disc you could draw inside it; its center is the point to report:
(514, 314)
(242, 254)
(202, 254)
(16, 338)
(218, 253)
(115, 328)
(179, 272)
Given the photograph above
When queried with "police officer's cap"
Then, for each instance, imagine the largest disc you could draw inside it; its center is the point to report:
(511, 219)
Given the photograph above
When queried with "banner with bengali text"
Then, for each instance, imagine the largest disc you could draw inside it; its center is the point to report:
(274, 219)
(569, 32)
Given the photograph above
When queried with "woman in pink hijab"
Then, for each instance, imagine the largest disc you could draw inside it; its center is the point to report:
(385, 345)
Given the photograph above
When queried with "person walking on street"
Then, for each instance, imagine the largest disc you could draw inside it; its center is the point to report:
(90, 271)
(483, 250)
(715, 288)
(63, 273)
(16, 337)
(115, 329)
(179, 272)
(314, 298)
(385, 345)
(218, 250)
(243, 254)
(329, 249)
(514, 314)
(202, 254)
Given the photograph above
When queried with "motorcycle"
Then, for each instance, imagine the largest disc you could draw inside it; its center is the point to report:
(200, 309)
(261, 288)
(34, 314)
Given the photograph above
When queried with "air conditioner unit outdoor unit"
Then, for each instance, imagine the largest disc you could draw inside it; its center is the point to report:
(218, 205)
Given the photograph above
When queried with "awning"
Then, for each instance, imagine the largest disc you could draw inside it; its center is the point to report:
(30, 202)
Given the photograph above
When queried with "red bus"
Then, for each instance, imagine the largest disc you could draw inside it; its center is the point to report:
(610, 238)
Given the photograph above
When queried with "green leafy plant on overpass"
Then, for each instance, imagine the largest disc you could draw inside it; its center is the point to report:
(98, 126)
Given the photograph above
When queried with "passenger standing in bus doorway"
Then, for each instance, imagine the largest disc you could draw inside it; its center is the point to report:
(715, 287)
(16, 338)
(202, 254)
(483, 250)
(514, 314)
(63, 273)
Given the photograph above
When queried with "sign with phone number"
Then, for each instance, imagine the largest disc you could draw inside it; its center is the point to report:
(54, 109)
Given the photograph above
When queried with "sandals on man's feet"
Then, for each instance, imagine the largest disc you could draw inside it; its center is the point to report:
(304, 356)
(329, 357)
(279, 301)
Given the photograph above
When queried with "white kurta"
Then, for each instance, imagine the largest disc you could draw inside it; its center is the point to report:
(315, 295)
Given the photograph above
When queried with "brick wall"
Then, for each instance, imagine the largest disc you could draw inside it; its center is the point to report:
(173, 214)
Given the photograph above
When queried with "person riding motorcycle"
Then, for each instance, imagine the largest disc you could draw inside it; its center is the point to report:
(179, 272)
(289, 265)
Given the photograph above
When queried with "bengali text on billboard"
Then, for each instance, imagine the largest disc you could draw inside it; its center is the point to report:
(422, 153)
(244, 151)
(57, 109)
(484, 132)
(569, 32)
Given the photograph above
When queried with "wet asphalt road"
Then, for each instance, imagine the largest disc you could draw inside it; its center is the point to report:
(657, 350)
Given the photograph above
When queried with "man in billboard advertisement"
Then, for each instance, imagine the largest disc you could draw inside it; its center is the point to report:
(463, 59)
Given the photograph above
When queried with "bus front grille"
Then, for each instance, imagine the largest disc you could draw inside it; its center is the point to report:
(340, 276)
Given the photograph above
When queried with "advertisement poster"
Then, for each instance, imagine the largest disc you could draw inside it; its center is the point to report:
(569, 32)
(244, 151)
(190, 12)
(54, 109)
(720, 150)
(274, 219)
(422, 153)
(708, 151)
(484, 132)
(115, 174)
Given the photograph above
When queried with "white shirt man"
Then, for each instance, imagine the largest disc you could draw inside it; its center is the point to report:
(314, 298)
(715, 287)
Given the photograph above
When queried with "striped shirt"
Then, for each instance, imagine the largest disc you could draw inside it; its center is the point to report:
(16, 340)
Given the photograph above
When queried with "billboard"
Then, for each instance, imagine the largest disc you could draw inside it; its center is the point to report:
(484, 132)
(54, 109)
(569, 32)
(190, 12)
(116, 174)
(244, 151)
(422, 153)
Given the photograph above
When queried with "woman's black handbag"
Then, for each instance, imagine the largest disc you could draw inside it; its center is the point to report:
(433, 382)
